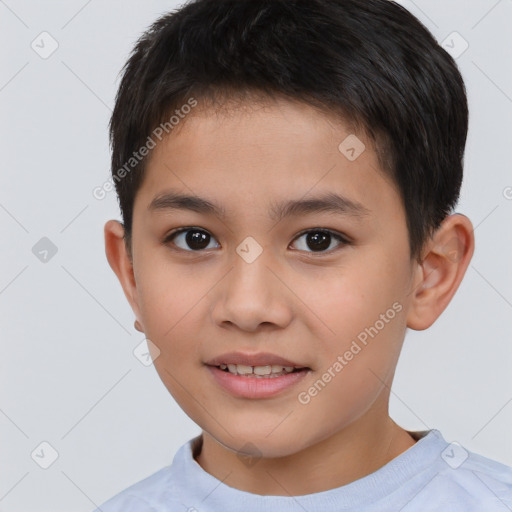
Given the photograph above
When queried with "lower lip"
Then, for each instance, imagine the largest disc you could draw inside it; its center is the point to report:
(254, 387)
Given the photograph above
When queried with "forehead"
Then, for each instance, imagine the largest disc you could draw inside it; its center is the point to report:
(263, 153)
(255, 122)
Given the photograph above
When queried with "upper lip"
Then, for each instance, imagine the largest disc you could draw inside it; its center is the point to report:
(255, 359)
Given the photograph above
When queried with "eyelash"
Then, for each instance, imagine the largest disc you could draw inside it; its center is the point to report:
(340, 238)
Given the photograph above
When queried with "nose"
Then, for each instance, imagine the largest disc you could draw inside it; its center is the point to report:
(253, 296)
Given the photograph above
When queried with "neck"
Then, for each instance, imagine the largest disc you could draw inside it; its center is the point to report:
(350, 454)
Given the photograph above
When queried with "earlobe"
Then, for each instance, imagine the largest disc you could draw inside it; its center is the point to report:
(445, 260)
(120, 262)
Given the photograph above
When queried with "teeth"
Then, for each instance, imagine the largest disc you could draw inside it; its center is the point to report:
(262, 370)
(242, 369)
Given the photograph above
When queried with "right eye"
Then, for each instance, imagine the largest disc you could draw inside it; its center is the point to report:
(197, 239)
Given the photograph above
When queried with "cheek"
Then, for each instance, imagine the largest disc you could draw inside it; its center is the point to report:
(342, 301)
(175, 303)
(356, 370)
(362, 321)
(168, 298)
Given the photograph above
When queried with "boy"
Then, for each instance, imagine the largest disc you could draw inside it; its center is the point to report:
(315, 151)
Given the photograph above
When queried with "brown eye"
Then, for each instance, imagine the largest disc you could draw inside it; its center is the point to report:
(193, 238)
(319, 240)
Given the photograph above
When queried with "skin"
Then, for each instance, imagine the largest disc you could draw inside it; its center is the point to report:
(302, 304)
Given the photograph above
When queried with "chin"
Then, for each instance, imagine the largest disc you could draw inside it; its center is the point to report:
(259, 444)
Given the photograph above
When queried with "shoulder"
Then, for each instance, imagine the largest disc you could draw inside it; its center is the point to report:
(162, 491)
(467, 481)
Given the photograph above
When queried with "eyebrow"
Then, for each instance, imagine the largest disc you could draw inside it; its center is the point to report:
(330, 203)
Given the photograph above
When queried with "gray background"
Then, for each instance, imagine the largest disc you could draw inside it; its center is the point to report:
(68, 373)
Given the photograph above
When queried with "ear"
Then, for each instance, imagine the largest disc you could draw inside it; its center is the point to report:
(121, 263)
(439, 273)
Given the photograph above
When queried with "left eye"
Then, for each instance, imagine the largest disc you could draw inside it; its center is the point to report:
(320, 239)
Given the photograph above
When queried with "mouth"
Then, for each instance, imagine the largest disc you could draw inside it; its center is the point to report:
(245, 363)
(268, 371)
(256, 376)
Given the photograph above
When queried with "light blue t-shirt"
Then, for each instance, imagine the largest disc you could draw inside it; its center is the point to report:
(430, 476)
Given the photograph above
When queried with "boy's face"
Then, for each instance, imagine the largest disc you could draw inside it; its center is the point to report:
(308, 298)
